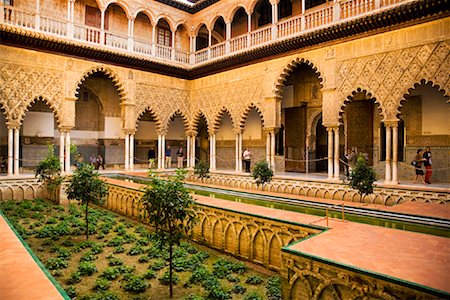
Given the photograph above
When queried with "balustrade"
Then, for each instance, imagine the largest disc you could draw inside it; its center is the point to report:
(261, 36)
(53, 26)
(116, 41)
(143, 47)
(163, 52)
(218, 50)
(313, 18)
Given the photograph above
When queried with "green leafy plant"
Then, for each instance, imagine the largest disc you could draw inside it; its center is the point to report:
(253, 296)
(111, 273)
(166, 280)
(149, 274)
(48, 170)
(171, 211)
(56, 263)
(102, 284)
(362, 177)
(86, 187)
(273, 288)
(135, 284)
(262, 173)
(238, 289)
(86, 268)
(75, 277)
(254, 279)
(201, 170)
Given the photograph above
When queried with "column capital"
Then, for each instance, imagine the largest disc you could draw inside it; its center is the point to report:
(129, 131)
(271, 129)
(390, 123)
(13, 125)
(331, 127)
(71, 98)
(65, 129)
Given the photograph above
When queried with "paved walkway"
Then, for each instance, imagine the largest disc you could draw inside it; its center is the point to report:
(20, 276)
(418, 258)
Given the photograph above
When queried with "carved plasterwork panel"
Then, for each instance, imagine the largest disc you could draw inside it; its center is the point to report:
(20, 85)
(163, 102)
(237, 97)
(388, 76)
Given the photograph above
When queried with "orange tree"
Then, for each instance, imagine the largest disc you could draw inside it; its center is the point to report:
(171, 211)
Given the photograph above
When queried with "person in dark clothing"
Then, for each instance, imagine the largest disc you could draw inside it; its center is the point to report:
(100, 162)
(151, 158)
(418, 161)
(168, 154)
(427, 164)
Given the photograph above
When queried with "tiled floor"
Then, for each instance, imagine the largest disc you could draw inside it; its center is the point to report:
(20, 277)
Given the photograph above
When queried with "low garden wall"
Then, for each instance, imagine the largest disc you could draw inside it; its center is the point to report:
(328, 190)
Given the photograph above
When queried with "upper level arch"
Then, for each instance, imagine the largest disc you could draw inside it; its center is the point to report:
(108, 72)
(167, 19)
(287, 70)
(233, 12)
(146, 12)
(122, 4)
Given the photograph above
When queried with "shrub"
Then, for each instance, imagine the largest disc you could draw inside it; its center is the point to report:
(63, 253)
(262, 173)
(71, 292)
(102, 284)
(116, 241)
(136, 250)
(68, 243)
(253, 296)
(143, 242)
(126, 270)
(149, 274)
(119, 249)
(86, 268)
(362, 177)
(135, 284)
(232, 278)
(111, 273)
(193, 297)
(158, 265)
(164, 279)
(56, 263)
(201, 170)
(97, 248)
(200, 274)
(144, 259)
(253, 279)
(218, 293)
(114, 261)
(51, 220)
(273, 288)
(75, 277)
(46, 231)
(238, 289)
(88, 256)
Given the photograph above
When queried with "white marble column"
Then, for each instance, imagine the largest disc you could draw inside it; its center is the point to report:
(227, 36)
(268, 141)
(330, 152)
(131, 165)
(131, 34)
(127, 152)
(10, 150)
(163, 152)
(154, 41)
(272, 150)
(193, 151)
(213, 156)
(336, 153)
(394, 153)
(238, 152)
(173, 44)
(249, 29)
(16, 151)
(274, 20)
(62, 138)
(188, 151)
(102, 27)
(67, 152)
(159, 153)
(388, 178)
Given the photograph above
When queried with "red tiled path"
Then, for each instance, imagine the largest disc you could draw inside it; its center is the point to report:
(20, 276)
(415, 257)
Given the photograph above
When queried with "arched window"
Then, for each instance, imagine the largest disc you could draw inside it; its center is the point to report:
(164, 36)
(284, 9)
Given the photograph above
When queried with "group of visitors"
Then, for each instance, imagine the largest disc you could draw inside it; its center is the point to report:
(168, 155)
(422, 158)
(97, 162)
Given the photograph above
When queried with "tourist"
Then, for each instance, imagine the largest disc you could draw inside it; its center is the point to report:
(427, 164)
(351, 158)
(2, 164)
(247, 156)
(100, 162)
(417, 162)
(168, 157)
(180, 155)
(93, 161)
(151, 158)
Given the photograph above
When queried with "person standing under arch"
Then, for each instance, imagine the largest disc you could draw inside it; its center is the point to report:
(247, 156)
(427, 164)
(180, 156)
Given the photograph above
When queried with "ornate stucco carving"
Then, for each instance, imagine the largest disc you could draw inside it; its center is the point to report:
(21, 85)
(388, 76)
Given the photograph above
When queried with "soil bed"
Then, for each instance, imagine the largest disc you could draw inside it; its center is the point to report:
(121, 260)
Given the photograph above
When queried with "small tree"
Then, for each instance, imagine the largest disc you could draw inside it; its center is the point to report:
(86, 187)
(201, 170)
(49, 171)
(171, 210)
(262, 173)
(362, 177)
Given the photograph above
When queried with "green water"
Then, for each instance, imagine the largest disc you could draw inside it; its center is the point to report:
(433, 230)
